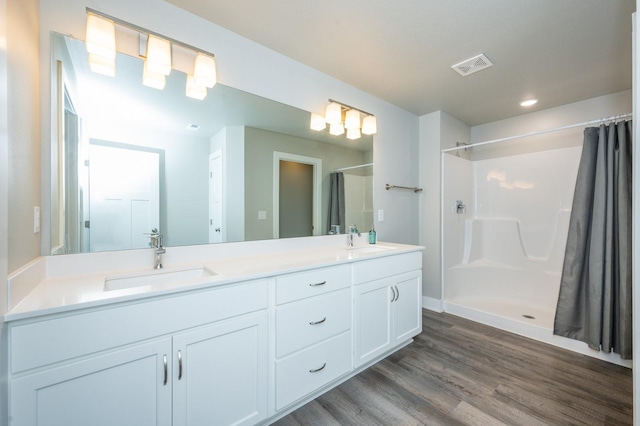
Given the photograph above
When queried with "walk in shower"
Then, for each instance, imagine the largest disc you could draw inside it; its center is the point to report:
(505, 216)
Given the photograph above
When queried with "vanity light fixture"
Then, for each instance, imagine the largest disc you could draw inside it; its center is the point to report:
(335, 112)
(158, 55)
(204, 70)
(101, 44)
(156, 50)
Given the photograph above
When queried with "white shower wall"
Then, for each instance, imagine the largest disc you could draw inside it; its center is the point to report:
(504, 255)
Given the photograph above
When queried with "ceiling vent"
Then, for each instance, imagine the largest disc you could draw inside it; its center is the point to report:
(475, 64)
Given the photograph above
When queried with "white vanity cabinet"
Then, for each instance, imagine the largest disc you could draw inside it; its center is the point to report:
(313, 331)
(197, 358)
(388, 311)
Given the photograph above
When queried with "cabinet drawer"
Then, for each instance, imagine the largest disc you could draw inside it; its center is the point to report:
(311, 283)
(53, 340)
(296, 376)
(370, 270)
(310, 321)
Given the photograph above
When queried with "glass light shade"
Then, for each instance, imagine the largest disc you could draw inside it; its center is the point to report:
(101, 36)
(353, 133)
(158, 55)
(369, 125)
(101, 65)
(153, 79)
(194, 90)
(317, 122)
(204, 70)
(336, 129)
(333, 113)
(352, 120)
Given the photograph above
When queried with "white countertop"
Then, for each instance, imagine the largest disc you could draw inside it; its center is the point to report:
(70, 292)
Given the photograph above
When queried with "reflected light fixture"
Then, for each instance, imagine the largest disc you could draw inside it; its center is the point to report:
(204, 70)
(317, 122)
(195, 90)
(334, 113)
(158, 55)
(153, 79)
(101, 44)
(336, 129)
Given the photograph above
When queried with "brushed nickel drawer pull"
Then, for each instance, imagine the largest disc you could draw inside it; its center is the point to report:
(318, 322)
(317, 284)
(393, 297)
(315, 370)
(397, 293)
(166, 370)
(179, 365)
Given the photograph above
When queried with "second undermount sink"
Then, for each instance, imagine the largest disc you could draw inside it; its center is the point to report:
(158, 278)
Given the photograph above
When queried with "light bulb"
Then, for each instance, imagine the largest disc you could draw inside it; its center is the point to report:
(333, 113)
(194, 90)
(158, 55)
(369, 125)
(204, 70)
(336, 129)
(352, 119)
(317, 122)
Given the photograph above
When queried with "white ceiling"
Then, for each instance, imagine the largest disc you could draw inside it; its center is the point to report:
(559, 51)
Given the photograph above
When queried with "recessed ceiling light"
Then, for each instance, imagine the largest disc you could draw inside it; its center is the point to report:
(528, 102)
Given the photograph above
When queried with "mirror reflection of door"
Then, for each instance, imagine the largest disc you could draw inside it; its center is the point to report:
(124, 192)
(216, 231)
(296, 199)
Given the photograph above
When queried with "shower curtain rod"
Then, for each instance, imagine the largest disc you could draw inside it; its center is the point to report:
(540, 132)
(353, 167)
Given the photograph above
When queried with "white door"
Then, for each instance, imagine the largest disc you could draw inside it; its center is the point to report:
(220, 373)
(124, 194)
(216, 231)
(125, 388)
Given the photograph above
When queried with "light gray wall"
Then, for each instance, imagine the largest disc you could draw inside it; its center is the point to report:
(259, 148)
(438, 131)
(24, 130)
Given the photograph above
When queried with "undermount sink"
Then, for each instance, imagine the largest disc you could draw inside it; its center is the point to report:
(364, 250)
(162, 277)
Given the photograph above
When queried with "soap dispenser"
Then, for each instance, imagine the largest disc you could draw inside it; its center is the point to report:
(372, 236)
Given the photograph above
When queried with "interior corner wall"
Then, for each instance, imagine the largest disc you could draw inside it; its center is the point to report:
(438, 131)
(4, 162)
(23, 98)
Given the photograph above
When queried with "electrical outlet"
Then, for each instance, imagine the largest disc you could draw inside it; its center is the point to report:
(380, 215)
(36, 219)
(262, 215)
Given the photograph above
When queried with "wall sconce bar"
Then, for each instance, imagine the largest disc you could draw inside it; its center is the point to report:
(139, 29)
(349, 107)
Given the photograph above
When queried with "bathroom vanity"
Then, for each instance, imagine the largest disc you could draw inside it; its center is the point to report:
(245, 342)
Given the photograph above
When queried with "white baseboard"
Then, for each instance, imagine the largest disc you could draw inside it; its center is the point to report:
(432, 304)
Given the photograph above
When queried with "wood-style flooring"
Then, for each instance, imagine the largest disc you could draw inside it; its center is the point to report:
(458, 372)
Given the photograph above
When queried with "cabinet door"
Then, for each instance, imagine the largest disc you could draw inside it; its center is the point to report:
(372, 320)
(223, 378)
(126, 387)
(407, 308)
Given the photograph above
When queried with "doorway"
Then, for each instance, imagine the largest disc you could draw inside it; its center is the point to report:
(297, 189)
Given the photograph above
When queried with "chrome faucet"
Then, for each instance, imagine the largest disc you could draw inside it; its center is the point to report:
(352, 230)
(156, 241)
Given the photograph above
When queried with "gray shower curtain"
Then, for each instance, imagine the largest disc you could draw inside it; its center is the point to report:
(336, 214)
(594, 304)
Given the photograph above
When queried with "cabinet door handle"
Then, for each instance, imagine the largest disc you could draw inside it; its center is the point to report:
(166, 370)
(393, 297)
(317, 284)
(318, 322)
(397, 292)
(179, 365)
(315, 370)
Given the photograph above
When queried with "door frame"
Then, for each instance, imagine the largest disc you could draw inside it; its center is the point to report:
(317, 188)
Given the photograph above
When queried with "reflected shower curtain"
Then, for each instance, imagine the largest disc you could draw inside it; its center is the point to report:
(336, 214)
(594, 304)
